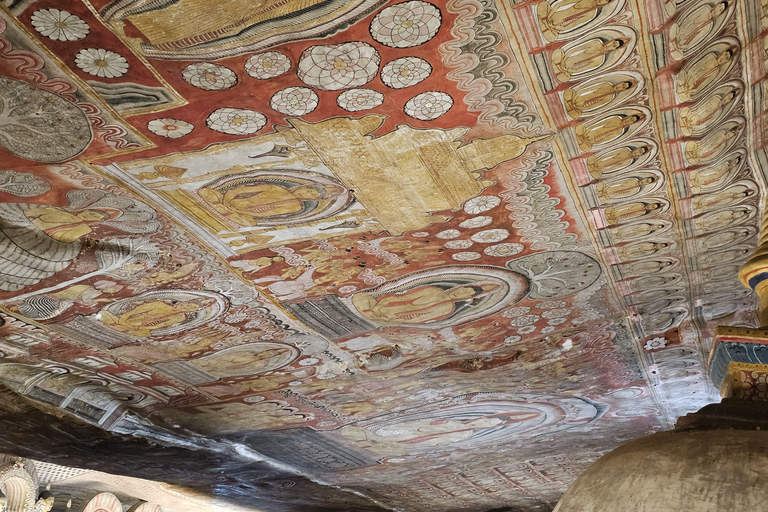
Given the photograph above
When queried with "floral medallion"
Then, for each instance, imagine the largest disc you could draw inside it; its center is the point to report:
(209, 76)
(236, 121)
(338, 66)
(406, 25)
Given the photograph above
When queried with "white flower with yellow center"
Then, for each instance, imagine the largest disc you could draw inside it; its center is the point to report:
(101, 62)
(59, 25)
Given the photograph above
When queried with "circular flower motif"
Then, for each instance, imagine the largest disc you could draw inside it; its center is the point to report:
(476, 222)
(326, 376)
(355, 100)
(458, 244)
(235, 121)
(503, 250)
(512, 339)
(490, 235)
(555, 321)
(406, 25)
(309, 361)
(548, 329)
(551, 304)
(101, 62)
(448, 234)
(267, 65)
(295, 383)
(428, 106)
(656, 343)
(405, 72)
(465, 256)
(208, 76)
(524, 320)
(556, 313)
(516, 311)
(527, 329)
(59, 25)
(294, 101)
(481, 204)
(171, 128)
(338, 66)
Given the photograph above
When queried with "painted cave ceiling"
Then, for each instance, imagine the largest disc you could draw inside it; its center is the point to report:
(423, 255)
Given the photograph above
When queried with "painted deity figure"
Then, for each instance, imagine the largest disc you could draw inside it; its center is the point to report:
(564, 16)
(256, 201)
(708, 202)
(694, 28)
(645, 267)
(700, 74)
(613, 190)
(147, 317)
(36, 241)
(715, 221)
(638, 230)
(605, 130)
(597, 95)
(615, 160)
(712, 146)
(419, 305)
(697, 118)
(625, 212)
(712, 176)
(641, 250)
(584, 57)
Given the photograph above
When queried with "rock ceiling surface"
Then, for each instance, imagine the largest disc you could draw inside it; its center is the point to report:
(424, 255)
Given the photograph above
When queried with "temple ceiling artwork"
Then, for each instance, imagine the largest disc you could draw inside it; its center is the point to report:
(369, 255)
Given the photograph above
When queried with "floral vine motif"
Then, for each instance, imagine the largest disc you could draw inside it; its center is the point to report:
(209, 76)
(236, 121)
(264, 66)
(338, 66)
(428, 106)
(294, 101)
(59, 25)
(171, 128)
(405, 72)
(355, 100)
(101, 62)
(406, 25)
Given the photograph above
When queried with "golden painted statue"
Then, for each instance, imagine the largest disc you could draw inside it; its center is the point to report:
(419, 305)
(690, 30)
(584, 57)
(605, 130)
(558, 16)
(615, 160)
(580, 100)
(696, 76)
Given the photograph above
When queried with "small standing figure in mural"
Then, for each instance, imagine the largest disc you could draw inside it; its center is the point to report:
(713, 146)
(585, 57)
(37, 241)
(713, 176)
(698, 75)
(696, 119)
(729, 197)
(616, 159)
(580, 100)
(624, 212)
(621, 188)
(606, 130)
(565, 16)
(271, 198)
(692, 28)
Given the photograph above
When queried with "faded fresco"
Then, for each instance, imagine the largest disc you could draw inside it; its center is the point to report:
(423, 255)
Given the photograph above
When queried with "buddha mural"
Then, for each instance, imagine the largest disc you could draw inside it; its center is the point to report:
(721, 219)
(561, 18)
(714, 176)
(607, 129)
(621, 188)
(640, 229)
(625, 212)
(431, 299)
(731, 196)
(700, 117)
(700, 73)
(714, 145)
(587, 57)
(621, 158)
(690, 29)
(588, 98)
(269, 198)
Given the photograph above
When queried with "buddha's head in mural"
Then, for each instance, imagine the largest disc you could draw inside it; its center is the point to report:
(275, 198)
